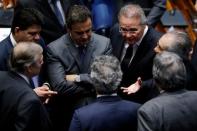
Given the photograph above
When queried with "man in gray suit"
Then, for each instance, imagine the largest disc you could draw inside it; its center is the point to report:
(69, 59)
(173, 109)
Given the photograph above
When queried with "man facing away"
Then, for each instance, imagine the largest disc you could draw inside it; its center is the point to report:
(109, 112)
(21, 109)
(173, 109)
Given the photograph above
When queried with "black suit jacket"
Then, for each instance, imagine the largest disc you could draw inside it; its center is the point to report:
(108, 113)
(171, 111)
(141, 65)
(21, 109)
(51, 29)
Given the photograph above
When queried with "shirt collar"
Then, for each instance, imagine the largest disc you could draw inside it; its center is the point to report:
(145, 31)
(13, 41)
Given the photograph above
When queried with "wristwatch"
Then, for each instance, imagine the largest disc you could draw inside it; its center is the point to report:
(77, 78)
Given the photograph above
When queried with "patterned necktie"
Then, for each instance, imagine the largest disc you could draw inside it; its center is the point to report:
(57, 12)
(126, 60)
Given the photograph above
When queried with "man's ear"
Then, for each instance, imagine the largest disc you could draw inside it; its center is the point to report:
(17, 29)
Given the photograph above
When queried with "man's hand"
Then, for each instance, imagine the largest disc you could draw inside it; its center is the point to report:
(44, 93)
(132, 88)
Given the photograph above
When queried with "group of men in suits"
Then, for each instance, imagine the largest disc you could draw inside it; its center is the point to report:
(26, 26)
(69, 58)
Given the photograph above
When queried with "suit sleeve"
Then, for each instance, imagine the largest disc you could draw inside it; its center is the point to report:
(31, 115)
(108, 49)
(56, 75)
(75, 123)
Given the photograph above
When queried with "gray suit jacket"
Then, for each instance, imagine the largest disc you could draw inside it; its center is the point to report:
(172, 111)
(63, 59)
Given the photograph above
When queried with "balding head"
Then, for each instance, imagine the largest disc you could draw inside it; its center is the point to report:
(177, 42)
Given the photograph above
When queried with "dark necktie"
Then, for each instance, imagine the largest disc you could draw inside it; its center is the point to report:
(31, 83)
(57, 12)
(126, 60)
(82, 51)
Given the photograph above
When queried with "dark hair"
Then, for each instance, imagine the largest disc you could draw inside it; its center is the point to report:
(77, 14)
(25, 18)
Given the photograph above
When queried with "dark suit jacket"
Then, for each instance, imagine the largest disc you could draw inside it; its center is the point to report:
(108, 113)
(5, 50)
(51, 29)
(63, 59)
(141, 65)
(172, 111)
(21, 109)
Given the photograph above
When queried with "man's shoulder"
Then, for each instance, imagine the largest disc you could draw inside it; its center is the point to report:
(59, 42)
(99, 38)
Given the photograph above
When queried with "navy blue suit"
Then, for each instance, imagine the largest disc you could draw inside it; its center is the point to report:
(108, 113)
(6, 48)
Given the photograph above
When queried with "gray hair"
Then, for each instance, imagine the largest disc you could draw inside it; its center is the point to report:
(169, 71)
(106, 74)
(133, 11)
(23, 55)
(179, 43)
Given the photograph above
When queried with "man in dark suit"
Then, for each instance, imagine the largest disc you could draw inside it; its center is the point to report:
(21, 109)
(173, 109)
(109, 112)
(53, 28)
(69, 59)
(26, 26)
(180, 44)
(132, 35)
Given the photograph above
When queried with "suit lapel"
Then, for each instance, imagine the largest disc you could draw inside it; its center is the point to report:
(74, 52)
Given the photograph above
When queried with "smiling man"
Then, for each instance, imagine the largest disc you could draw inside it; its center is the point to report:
(69, 59)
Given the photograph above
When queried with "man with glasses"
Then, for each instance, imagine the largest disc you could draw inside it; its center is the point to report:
(69, 59)
(133, 43)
